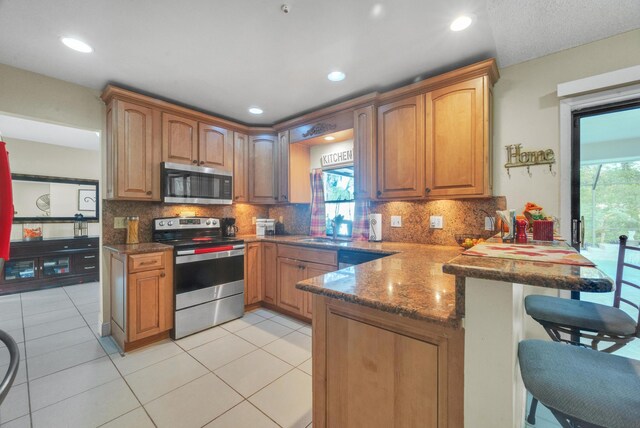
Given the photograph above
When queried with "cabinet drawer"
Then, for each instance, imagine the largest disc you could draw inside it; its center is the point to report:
(325, 257)
(86, 258)
(87, 268)
(142, 262)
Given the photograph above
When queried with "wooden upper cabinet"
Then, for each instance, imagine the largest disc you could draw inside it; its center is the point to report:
(457, 155)
(240, 167)
(130, 137)
(215, 147)
(263, 178)
(179, 139)
(401, 149)
(364, 152)
(283, 167)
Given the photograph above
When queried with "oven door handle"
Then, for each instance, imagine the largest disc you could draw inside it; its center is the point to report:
(218, 249)
(192, 258)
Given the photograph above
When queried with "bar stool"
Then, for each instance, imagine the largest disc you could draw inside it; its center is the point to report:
(581, 387)
(569, 321)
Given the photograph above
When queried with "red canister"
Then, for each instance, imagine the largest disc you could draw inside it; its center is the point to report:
(521, 231)
(543, 230)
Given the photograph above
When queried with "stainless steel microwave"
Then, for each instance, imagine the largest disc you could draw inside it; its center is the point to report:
(187, 184)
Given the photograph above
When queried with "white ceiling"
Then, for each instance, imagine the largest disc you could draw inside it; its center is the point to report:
(223, 56)
(48, 133)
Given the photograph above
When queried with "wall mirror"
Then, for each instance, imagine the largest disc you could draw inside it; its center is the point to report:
(44, 199)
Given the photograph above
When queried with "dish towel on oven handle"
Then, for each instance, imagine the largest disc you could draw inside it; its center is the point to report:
(6, 202)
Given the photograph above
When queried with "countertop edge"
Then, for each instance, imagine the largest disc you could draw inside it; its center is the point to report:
(451, 322)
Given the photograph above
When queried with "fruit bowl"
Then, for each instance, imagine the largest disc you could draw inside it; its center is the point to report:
(468, 241)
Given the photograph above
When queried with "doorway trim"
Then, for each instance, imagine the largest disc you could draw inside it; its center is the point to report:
(567, 107)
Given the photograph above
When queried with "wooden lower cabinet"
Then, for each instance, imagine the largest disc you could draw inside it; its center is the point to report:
(253, 273)
(395, 371)
(270, 272)
(290, 272)
(141, 297)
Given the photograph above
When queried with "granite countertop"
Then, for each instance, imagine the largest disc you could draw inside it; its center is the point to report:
(409, 282)
(148, 247)
(549, 275)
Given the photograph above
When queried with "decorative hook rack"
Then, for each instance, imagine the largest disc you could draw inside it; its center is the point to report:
(517, 158)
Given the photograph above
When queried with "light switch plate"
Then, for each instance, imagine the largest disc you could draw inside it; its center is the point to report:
(119, 222)
(489, 222)
(435, 222)
(396, 221)
(253, 220)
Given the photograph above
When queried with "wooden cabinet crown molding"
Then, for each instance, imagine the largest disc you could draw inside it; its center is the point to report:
(487, 68)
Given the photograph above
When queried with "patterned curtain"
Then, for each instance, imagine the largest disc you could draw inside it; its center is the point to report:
(361, 221)
(318, 217)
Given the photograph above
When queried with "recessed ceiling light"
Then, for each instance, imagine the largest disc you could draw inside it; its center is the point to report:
(329, 138)
(77, 45)
(255, 110)
(336, 76)
(461, 23)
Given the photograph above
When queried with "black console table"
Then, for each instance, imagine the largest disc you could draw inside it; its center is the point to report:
(50, 263)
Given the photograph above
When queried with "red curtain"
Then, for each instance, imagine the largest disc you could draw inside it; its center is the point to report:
(361, 221)
(318, 216)
(6, 203)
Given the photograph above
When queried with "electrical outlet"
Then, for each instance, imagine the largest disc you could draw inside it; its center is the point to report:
(253, 220)
(435, 222)
(281, 219)
(119, 222)
(396, 221)
(489, 222)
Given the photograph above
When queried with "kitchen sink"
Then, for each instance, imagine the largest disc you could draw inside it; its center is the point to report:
(323, 240)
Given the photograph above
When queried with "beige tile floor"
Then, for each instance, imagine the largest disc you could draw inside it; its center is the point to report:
(251, 372)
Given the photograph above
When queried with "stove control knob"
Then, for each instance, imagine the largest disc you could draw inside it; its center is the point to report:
(170, 223)
(161, 223)
(208, 222)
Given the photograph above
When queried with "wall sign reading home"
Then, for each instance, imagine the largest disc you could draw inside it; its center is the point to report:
(337, 158)
(516, 158)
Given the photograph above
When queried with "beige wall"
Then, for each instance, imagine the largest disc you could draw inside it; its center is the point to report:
(526, 111)
(38, 97)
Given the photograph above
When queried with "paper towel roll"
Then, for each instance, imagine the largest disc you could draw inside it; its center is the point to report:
(375, 227)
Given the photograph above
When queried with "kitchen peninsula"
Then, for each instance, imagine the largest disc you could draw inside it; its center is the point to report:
(426, 322)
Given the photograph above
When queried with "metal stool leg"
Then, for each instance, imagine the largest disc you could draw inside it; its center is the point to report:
(532, 411)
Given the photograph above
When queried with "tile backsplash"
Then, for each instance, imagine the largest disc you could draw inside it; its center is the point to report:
(460, 217)
(147, 211)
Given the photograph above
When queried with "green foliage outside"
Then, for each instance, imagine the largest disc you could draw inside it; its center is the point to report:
(613, 208)
(337, 187)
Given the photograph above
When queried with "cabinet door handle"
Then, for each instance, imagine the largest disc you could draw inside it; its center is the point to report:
(201, 162)
(379, 193)
(195, 161)
(284, 197)
(162, 275)
(152, 262)
(428, 190)
(89, 267)
(89, 257)
(149, 192)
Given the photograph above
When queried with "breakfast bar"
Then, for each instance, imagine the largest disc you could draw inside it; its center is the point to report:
(429, 335)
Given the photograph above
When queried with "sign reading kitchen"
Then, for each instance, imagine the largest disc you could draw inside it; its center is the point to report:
(337, 158)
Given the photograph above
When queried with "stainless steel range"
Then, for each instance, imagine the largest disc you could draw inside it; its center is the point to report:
(208, 272)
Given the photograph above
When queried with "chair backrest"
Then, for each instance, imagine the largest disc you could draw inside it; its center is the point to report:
(622, 279)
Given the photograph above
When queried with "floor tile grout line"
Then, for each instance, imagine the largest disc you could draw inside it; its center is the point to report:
(26, 366)
(117, 371)
(248, 402)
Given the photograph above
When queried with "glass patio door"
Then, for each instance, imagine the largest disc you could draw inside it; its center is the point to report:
(605, 193)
